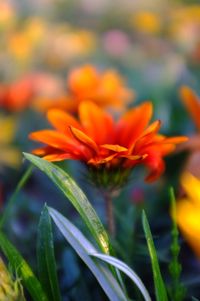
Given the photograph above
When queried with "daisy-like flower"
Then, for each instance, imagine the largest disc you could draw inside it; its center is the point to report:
(188, 211)
(106, 88)
(109, 148)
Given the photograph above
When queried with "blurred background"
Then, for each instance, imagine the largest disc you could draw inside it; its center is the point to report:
(155, 46)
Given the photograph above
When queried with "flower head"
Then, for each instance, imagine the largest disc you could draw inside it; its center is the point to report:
(107, 89)
(107, 146)
(16, 96)
(188, 211)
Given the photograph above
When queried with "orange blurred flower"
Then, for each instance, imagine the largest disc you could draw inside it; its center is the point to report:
(16, 96)
(103, 144)
(192, 104)
(107, 89)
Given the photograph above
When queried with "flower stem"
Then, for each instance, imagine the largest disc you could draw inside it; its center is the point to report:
(12, 199)
(109, 214)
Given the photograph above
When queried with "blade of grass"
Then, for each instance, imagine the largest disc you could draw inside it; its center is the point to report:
(12, 199)
(76, 196)
(46, 258)
(160, 290)
(127, 270)
(23, 270)
(83, 248)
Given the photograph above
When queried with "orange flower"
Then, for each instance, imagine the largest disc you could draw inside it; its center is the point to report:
(104, 144)
(192, 104)
(16, 96)
(106, 88)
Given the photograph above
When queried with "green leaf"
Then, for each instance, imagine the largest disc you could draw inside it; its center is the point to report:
(160, 290)
(23, 270)
(46, 257)
(83, 248)
(76, 196)
(120, 265)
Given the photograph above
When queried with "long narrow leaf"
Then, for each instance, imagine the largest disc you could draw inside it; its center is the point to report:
(127, 270)
(29, 280)
(76, 196)
(160, 290)
(83, 248)
(46, 257)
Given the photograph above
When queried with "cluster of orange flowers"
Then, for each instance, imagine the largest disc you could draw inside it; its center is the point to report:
(107, 89)
(96, 138)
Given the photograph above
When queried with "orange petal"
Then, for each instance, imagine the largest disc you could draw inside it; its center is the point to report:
(133, 123)
(152, 128)
(156, 166)
(59, 157)
(192, 103)
(115, 147)
(166, 149)
(62, 120)
(136, 157)
(42, 151)
(53, 138)
(97, 123)
(175, 140)
(146, 136)
(96, 161)
(80, 136)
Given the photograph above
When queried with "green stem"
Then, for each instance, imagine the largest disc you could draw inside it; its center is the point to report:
(12, 198)
(109, 214)
(177, 289)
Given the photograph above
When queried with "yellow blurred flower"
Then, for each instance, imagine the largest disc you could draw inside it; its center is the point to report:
(184, 25)
(188, 211)
(20, 47)
(9, 155)
(65, 43)
(146, 22)
(9, 290)
(187, 13)
(35, 30)
(7, 14)
(23, 43)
